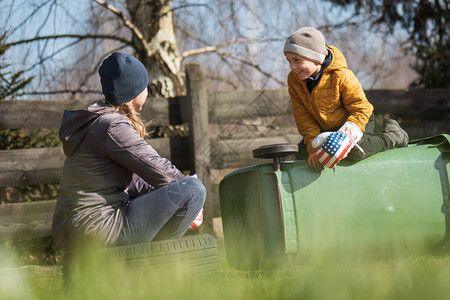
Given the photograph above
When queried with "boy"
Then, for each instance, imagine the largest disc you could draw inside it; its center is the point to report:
(328, 100)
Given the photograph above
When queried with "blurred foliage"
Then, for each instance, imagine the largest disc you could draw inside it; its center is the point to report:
(427, 24)
(169, 131)
(32, 252)
(410, 277)
(433, 65)
(10, 82)
(28, 193)
(22, 139)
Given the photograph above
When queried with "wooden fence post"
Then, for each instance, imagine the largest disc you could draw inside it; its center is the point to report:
(195, 113)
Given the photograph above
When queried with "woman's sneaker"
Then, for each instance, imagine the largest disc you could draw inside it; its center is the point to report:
(396, 134)
(198, 221)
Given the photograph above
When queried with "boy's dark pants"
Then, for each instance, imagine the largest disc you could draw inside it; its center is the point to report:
(371, 143)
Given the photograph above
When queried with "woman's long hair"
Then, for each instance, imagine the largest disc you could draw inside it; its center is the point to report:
(128, 111)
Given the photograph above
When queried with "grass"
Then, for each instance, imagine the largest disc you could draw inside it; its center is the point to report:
(416, 276)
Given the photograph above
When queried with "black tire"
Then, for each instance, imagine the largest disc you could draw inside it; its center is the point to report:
(195, 254)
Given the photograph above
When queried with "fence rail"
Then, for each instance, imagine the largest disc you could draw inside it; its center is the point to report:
(28, 220)
(224, 127)
(45, 114)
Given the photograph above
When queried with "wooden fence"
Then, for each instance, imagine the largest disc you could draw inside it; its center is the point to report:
(224, 127)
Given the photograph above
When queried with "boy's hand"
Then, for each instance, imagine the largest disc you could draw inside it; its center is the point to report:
(335, 146)
(352, 131)
(313, 162)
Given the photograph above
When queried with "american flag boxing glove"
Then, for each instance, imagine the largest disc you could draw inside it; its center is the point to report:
(336, 145)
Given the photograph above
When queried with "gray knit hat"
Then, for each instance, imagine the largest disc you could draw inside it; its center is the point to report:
(309, 43)
(123, 78)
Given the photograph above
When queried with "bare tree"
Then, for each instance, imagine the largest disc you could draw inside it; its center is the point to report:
(237, 42)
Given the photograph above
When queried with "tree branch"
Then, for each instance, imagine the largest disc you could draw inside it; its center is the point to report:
(256, 66)
(28, 17)
(190, 35)
(189, 6)
(73, 36)
(221, 45)
(210, 49)
(229, 82)
(136, 32)
(42, 59)
(66, 91)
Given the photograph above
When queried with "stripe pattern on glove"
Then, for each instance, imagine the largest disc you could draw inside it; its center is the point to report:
(335, 148)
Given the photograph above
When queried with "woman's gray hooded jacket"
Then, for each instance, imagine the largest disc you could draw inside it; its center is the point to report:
(107, 163)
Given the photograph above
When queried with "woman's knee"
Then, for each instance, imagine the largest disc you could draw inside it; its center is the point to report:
(196, 188)
(194, 183)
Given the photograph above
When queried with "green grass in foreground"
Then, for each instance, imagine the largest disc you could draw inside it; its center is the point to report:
(422, 276)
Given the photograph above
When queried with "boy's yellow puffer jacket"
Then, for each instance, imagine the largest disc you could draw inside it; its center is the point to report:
(337, 98)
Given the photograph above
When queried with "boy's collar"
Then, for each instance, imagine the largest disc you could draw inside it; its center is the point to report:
(317, 75)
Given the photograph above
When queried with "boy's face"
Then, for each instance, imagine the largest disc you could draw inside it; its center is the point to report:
(301, 66)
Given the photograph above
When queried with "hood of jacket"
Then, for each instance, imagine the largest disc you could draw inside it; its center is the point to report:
(76, 124)
(338, 60)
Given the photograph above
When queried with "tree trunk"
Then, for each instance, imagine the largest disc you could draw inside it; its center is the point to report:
(154, 19)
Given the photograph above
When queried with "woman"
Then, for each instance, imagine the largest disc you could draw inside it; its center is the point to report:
(115, 188)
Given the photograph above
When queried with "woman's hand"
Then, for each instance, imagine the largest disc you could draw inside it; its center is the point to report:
(313, 162)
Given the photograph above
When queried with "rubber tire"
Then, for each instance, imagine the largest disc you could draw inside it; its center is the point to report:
(275, 150)
(196, 254)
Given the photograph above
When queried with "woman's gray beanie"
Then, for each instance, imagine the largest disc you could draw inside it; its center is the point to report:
(123, 78)
(309, 43)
